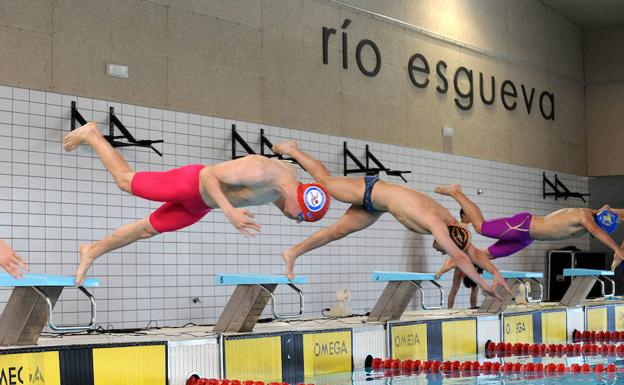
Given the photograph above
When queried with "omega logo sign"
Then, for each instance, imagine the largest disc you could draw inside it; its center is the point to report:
(333, 348)
(419, 71)
(406, 340)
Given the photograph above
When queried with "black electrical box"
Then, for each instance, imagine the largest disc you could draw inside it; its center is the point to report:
(568, 259)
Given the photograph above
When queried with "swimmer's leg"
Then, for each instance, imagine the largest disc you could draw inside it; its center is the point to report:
(457, 278)
(354, 219)
(123, 236)
(473, 212)
(112, 159)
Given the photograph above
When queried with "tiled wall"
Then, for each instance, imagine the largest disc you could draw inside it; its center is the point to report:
(52, 201)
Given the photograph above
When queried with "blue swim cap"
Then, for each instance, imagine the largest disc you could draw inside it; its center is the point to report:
(607, 220)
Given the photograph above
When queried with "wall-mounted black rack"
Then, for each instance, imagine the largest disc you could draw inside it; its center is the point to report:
(265, 143)
(365, 168)
(113, 122)
(559, 189)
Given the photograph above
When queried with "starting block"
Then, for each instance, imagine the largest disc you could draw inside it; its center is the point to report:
(31, 304)
(399, 292)
(514, 280)
(249, 299)
(583, 280)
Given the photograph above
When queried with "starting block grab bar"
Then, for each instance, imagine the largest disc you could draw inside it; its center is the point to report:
(513, 279)
(250, 297)
(274, 304)
(525, 279)
(415, 279)
(68, 328)
(583, 280)
(399, 292)
(31, 306)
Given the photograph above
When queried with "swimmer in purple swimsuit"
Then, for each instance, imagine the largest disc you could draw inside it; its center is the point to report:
(519, 231)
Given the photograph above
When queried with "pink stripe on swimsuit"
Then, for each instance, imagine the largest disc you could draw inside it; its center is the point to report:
(513, 234)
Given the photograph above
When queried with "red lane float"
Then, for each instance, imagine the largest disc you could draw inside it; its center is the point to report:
(501, 349)
(474, 367)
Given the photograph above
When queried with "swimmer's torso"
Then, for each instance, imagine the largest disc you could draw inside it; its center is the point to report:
(564, 223)
(261, 189)
(415, 210)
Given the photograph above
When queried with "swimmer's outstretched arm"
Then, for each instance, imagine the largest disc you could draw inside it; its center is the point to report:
(440, 233)
(354, 219)
(313, 166)
(618, 212)
(246, 171)
(590, 225)
(482, 259)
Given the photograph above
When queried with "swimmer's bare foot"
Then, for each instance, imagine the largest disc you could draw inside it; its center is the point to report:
(289, 260)
(447, 265)
(79, 136)
(616, 262)
(85, 263)
(449, 189)
(285, 148)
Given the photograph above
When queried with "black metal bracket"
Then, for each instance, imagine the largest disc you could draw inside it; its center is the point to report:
(236, 138)
(559, 189)
(113, 122)
(365, 168)
(264, 144)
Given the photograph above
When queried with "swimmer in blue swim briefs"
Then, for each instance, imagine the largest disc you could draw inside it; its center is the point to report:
(369, 199)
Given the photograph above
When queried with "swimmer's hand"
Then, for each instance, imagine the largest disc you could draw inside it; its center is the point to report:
(617, 259)
(285, 148)
(490, 291)
(499, 280)
(241, 219)
(11, 262)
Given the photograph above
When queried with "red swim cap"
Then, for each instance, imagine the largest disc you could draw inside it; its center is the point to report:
(313, 200)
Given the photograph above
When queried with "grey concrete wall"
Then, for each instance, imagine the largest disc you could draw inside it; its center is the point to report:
(604, 100)
(260, 61)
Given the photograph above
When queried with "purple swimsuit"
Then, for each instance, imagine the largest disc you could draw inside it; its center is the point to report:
(512, 234)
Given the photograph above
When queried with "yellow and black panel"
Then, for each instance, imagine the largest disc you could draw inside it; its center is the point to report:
(518, 328)
(38, 367)
(596, 318)
(611, 318)
(554, 327)
(459, 338)
(76, 366)
(408, 341)
(257, 357)
(618, 317)
(327, 352)
(144, 364)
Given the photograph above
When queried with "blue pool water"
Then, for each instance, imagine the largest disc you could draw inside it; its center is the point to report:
(388, 377)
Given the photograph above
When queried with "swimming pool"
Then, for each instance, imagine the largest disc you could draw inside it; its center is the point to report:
(459, 377)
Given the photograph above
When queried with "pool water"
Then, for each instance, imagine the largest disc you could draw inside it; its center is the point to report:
(395, 377)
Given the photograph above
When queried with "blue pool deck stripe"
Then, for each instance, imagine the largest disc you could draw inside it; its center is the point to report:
(585, 272)
(387, 276)
(30, 279)
(515, 274)
(256, 279)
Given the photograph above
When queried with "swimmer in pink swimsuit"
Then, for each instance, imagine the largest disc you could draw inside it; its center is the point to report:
(192, 191)
(519, 231)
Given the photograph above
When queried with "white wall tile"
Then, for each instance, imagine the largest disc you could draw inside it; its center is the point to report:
(55, 201)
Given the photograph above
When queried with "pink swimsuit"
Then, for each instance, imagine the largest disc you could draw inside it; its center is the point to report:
(179, 188)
